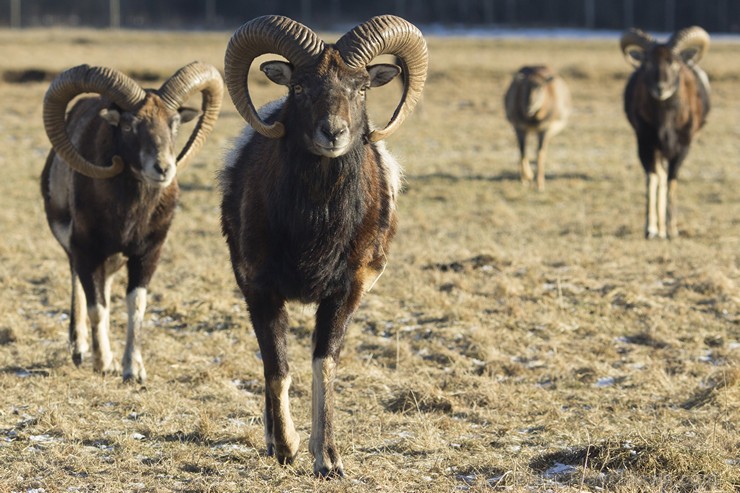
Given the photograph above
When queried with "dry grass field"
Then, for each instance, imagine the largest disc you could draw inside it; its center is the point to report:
(518, 341)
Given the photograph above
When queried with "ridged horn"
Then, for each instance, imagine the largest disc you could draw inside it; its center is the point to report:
(690, 38)
(195, 77)
(267, 34)
(107, 82)
(388, 34)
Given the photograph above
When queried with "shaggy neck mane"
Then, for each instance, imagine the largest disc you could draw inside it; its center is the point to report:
(316, 198)
(320, 195)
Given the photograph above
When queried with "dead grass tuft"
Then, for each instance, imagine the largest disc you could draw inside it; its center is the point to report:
(710, 390)
(659, 460)
(712, 281)
(415, 401)
(7, 336)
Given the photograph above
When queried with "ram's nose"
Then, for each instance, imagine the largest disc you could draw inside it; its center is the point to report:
(159, 171)
(333, 134)
(331, 137)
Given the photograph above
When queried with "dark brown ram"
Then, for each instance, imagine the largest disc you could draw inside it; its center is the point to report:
(666, 101)
(110, 190)
(537, 101)
(309, 198)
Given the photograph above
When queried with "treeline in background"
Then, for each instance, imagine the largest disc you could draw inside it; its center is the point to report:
(652, 15)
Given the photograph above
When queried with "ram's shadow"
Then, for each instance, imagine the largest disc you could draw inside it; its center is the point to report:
(35, 370)
(504, 176)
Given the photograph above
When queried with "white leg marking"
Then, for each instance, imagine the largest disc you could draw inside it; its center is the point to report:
(525, 170)
(286, 438)
(79, 341)
(322, 411)
(100, 320)
(651, 216)
(662, 201)
(133, 364)
(102, 355)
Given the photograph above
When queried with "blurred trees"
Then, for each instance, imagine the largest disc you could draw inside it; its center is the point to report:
(652, 15)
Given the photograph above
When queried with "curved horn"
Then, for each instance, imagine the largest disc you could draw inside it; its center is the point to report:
(636, 37)
(195, 77)
(388, 34)
(107, 82)
(635, 40)
(267, 34)
(690, 38)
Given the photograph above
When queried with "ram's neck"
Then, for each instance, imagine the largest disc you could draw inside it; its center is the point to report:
(322, 179)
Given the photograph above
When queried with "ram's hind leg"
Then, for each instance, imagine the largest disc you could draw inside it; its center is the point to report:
(332, 318)
(270, 322)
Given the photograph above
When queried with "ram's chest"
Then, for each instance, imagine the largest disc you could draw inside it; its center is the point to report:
(313, 234)
(118, 222)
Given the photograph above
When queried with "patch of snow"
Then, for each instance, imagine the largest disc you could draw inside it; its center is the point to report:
(232, 447)
(559, 469)
(42, 438)
(605, 382)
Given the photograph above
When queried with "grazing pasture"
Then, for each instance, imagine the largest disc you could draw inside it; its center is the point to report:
(518, 340)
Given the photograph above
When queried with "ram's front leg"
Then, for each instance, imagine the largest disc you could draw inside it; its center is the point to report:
(525, 169)
(270, 322)
(671, 215)
(140, 271)
(543, 138)
(332, 318)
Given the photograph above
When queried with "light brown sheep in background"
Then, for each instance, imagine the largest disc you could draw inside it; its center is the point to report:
(538, 100)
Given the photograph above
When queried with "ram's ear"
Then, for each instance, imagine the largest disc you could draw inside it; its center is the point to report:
(187, 114)
(382, 73)
(278, 72)
(634, 55)
(691, 55)
(111, 115)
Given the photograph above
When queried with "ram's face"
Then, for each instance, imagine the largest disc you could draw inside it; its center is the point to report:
(146, 139)
(329, 100)
(533, 94)
(662, 68)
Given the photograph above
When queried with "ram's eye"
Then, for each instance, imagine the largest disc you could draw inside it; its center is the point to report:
(126, 127)
(297, 88)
